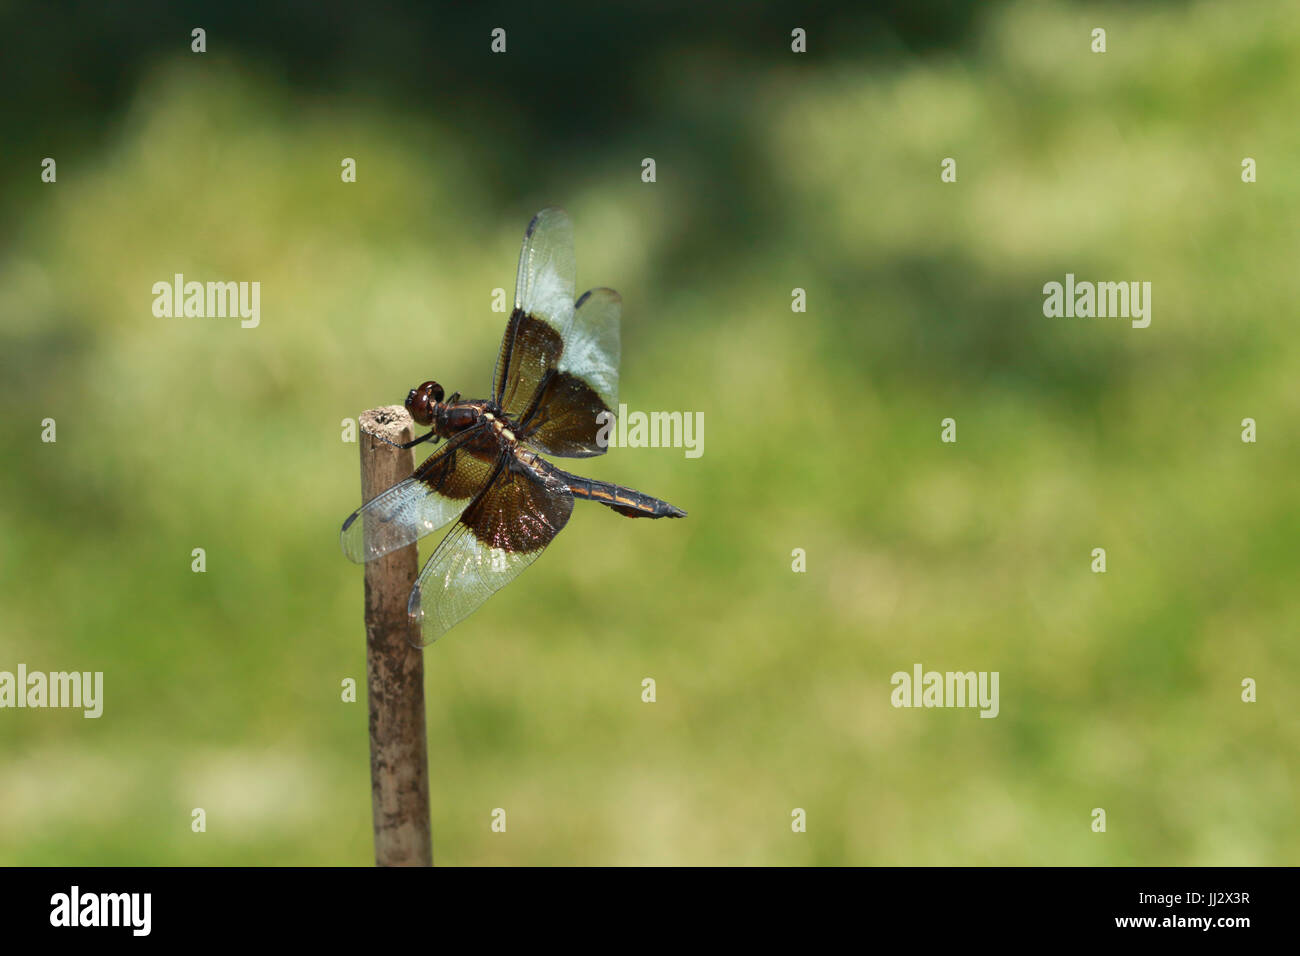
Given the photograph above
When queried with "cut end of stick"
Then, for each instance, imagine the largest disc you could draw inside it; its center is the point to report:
(391, 422)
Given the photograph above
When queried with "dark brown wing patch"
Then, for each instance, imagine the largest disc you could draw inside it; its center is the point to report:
(461, 471)
(567, 419)
(518, 511)
(529, 348)
(503, 531)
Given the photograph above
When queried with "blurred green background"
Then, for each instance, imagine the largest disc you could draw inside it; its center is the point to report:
(775, 171)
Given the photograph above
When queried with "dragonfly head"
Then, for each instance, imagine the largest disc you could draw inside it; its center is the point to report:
(422, 402)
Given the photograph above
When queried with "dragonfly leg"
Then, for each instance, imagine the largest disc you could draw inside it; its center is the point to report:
(409, 444)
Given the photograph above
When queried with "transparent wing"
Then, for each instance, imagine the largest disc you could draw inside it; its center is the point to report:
(543, 314)
(503, 531)
(439, 490)
(546, 281)
(591, 345)
(576, 400)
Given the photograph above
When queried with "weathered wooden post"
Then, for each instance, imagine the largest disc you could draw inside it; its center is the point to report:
(399, 765)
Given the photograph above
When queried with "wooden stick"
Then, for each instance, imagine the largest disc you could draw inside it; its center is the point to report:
(399, 768)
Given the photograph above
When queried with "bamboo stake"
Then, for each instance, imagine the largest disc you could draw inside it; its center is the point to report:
(399, 768)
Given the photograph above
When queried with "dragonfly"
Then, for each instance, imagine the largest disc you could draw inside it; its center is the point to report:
(554, 389)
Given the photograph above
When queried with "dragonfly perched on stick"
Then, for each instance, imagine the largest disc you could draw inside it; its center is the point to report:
(553, 391)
